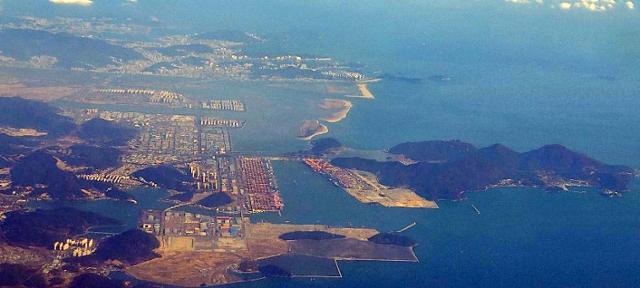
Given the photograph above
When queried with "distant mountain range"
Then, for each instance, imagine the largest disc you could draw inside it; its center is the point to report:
(104, 132)
(69, 50)
(40, 171)
(447, 169)
(41, 228)
(22, 113)
(183, 50)
(228, 35)
(36, 165)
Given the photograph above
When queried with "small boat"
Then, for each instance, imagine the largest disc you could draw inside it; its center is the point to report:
(475, 208)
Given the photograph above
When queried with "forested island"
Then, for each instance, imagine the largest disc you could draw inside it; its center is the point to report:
(448, 169)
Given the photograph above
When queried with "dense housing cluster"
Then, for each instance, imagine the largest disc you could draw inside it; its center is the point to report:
(75, 247)
(227, 105)
(207, 121)
(154, 96)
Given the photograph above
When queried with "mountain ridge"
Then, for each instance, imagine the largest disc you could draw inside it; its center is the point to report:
(462, 167)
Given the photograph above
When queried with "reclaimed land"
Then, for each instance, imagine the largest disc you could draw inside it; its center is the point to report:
(353, 249)
(47, 93)
(304, 265)
(365, 93)
(188, 269)
(387, 196)
(310, 235)
(263, 244)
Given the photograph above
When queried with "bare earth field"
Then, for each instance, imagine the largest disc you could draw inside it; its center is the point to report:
(190, 269)
(386, 196)
(37, 93)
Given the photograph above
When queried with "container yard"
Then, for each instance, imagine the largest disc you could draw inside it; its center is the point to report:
(259, 183)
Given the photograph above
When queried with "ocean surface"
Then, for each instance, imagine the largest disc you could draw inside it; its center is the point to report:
(521, 75)
(521, 238)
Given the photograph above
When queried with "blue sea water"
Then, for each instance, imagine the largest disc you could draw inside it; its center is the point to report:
(522, 237)
(522, 75)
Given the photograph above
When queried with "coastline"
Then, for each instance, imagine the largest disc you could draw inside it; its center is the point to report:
(322, 129)
(387, 196)
(345, 107)
(365, 93)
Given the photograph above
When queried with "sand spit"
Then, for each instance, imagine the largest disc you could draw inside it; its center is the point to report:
(365, 93)
(311, 129)
(343, 107)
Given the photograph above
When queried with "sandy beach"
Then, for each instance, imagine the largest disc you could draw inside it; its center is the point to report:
(343, 107)
(312, 128)
(364, 91)
(322, 130)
